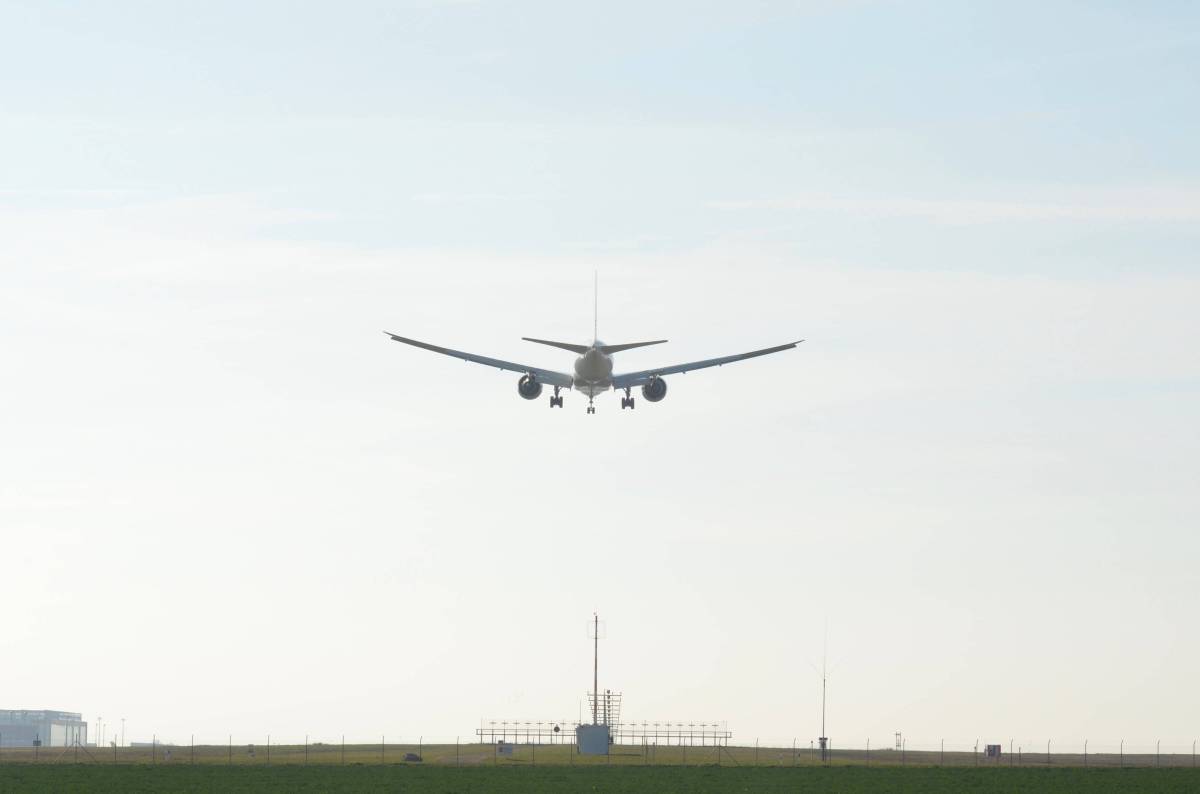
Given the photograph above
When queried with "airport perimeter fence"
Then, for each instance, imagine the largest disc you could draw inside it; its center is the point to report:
(469, 751)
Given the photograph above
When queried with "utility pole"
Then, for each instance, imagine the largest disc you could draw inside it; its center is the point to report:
(595, 668)
(824, 738)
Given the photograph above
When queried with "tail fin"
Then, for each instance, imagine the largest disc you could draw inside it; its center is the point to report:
(610, 349)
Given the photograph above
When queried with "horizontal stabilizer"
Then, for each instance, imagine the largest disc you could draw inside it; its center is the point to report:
(580, 349)
(610, 349)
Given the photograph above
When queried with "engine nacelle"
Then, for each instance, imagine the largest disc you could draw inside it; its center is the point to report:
(655, 389)
(529, 388)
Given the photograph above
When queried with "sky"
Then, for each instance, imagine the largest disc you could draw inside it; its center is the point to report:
(230, 506)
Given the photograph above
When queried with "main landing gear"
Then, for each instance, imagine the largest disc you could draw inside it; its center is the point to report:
(555, 400)
(627, 401)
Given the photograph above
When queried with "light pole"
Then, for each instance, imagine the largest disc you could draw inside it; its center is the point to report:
(122, 731)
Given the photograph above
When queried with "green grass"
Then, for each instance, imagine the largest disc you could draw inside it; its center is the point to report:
(662, 779)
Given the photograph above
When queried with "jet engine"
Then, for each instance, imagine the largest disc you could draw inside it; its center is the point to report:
(529, 388)
(654, 389)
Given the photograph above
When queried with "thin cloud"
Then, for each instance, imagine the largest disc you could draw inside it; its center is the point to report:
(1114, 206)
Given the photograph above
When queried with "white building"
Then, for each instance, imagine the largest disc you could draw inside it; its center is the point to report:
(19, 728)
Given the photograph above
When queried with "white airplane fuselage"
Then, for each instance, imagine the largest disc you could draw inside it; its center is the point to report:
(593, 371)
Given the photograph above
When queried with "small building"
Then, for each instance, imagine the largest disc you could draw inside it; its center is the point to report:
(992, 751)
(593, 739)
(24, 728)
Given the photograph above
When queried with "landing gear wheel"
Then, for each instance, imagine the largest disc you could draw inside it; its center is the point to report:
(591, 409)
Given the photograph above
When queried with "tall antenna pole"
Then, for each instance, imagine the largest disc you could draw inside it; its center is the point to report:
(824, 675)
(595, 668)
(824, 679)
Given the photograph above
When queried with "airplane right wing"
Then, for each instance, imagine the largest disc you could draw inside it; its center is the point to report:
(546, 376)
(631, 379)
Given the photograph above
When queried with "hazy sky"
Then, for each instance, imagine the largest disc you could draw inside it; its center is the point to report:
(228, 504)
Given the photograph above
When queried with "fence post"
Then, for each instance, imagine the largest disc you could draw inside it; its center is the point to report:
(903, 751)
(756, 752)
(153, 748)
(868, 751)
(457, 759)
(942, 757)
(1157, 745)
(382, 744)
(1047, 752)
(231, 749)
(193, 748)
(793, 751)
(1085, 752)
(421, 747)
(1122, 753)
(306, 749)
(343, 749)
(268, 749)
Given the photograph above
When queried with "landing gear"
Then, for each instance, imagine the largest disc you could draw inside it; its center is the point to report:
(627, 401)
(555, 400)
(591, 409)
(591, 406)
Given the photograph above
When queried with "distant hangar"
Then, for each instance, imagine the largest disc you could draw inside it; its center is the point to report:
(21, 728)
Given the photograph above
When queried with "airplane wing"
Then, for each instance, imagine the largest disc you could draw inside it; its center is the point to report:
(630, 379)
(546, 376)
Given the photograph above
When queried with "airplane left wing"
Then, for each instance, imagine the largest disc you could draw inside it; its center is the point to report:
(631, 379)
(546, 376)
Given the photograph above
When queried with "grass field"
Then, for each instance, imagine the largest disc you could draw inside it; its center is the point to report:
(475, 754)
(694, 780)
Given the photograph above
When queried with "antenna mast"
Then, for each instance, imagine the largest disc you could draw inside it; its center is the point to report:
(824, 677)
(595, 668)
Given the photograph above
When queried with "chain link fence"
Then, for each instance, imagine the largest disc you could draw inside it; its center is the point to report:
(464, 751)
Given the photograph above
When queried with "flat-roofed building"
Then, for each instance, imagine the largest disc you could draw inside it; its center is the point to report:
(22, 728)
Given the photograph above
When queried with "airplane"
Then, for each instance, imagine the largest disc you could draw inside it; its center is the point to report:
(593, 371)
